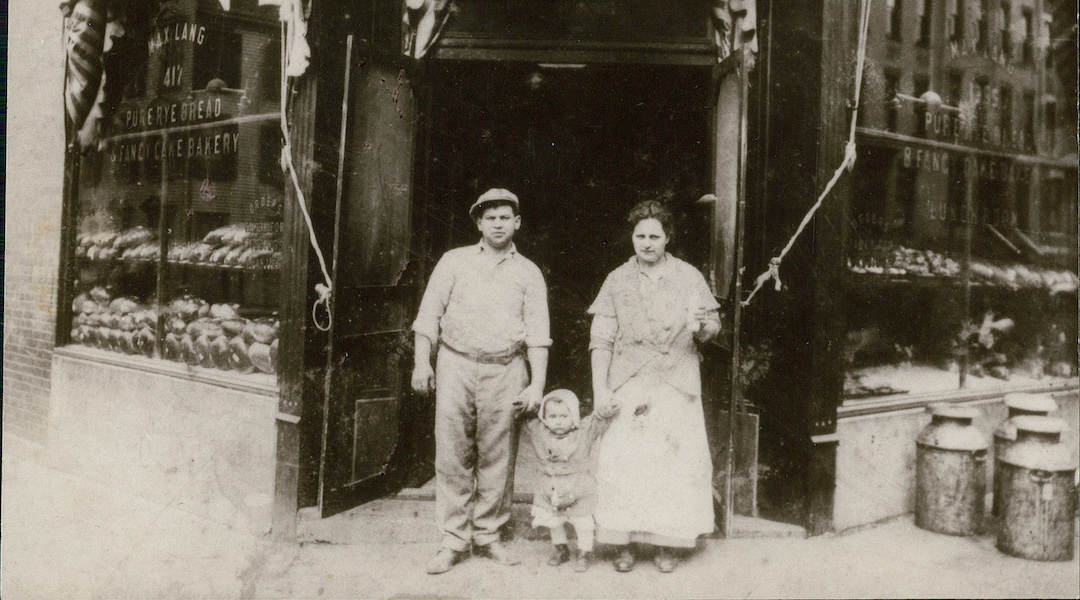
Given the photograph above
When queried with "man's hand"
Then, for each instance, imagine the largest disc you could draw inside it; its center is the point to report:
(528, 401)
(423, 378)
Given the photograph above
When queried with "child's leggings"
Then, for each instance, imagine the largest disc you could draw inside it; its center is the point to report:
(583, 527)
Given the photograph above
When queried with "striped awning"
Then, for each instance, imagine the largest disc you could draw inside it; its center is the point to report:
(84, 39)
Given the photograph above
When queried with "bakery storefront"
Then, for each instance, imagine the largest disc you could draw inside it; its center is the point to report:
(196, 335)
(959, 275)
(193, 335)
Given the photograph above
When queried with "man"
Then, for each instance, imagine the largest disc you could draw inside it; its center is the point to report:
(486, 309)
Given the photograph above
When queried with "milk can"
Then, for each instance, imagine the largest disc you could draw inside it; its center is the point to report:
(1038, 508)
(1018, 405)
(950, 471)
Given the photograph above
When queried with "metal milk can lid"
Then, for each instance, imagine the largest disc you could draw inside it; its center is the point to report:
(1038, 445)
(951, 428)
(1031, 403)
(1021, 404)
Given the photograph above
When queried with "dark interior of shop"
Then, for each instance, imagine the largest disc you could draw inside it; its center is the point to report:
(580, 145)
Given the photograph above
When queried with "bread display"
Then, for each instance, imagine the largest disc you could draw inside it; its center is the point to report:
(217, 336)
(135, 244)
(899, 261)
(233, 245)
(197, 332)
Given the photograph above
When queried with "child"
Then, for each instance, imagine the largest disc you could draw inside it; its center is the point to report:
(566, 491)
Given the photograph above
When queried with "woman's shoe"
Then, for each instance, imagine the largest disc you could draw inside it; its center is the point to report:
(561, 555)
(625, 562)
(665, 560)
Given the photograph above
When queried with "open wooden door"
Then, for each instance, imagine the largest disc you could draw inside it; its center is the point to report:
(735, 484)
(369, 351)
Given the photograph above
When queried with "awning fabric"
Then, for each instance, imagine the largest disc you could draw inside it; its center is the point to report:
(84, 40)
(734, 24)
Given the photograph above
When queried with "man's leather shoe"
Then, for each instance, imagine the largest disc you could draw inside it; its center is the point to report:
(561, 555)
(624, 563)
(444, 560)
(498, 552)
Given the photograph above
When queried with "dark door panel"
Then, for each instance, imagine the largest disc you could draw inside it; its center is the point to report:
(365, 454)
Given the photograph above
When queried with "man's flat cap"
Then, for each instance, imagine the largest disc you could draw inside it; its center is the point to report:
(494, 195)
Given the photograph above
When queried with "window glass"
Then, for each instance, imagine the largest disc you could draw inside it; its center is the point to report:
(179, 201)
(905, 304)
(961, 247)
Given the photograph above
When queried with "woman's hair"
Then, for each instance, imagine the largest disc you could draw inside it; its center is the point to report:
(652, 209)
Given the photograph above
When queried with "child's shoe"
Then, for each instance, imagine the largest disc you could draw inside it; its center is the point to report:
(581, 564)
(561, 555)
(624, 563)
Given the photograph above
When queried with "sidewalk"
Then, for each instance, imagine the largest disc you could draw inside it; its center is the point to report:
(66, 537)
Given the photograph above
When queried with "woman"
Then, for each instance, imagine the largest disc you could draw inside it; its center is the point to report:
(654, 481)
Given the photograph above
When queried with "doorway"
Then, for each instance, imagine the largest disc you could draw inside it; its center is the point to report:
(579, 145)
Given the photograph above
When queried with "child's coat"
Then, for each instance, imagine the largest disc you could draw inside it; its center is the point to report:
(566, 486)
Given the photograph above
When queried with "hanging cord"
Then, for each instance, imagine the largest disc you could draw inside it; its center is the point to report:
(773, 272)
(325, 289)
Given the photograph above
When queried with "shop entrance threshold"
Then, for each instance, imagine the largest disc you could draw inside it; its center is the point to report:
(409, 517)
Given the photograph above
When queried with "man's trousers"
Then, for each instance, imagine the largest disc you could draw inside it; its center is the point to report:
(476, 439)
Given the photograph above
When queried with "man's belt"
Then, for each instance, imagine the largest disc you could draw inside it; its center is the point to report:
(502, 357)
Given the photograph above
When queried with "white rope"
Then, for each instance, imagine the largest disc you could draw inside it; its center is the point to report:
(773, 272)
(325, 289)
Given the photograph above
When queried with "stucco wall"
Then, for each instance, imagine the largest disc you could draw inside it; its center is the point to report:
(206, 449)
(875, 461)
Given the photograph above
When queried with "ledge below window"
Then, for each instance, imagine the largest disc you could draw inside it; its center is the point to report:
(855, 408)
(256, 383)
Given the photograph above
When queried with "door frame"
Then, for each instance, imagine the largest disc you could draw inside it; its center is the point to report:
(421, 237)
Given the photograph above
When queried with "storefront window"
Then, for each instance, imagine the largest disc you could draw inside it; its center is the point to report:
(962, 244)
(179, 203)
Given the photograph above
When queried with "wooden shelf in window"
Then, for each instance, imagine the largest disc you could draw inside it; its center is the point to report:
(884, 404)
(276, 268)
(195, 265)
(119, 261)
(907, 280)
(919, 281)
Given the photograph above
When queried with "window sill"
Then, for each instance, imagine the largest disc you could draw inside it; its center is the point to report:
(256, 383)
(856, 408)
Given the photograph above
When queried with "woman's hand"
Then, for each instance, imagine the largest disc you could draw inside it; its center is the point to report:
(604, 403)
(709, 328)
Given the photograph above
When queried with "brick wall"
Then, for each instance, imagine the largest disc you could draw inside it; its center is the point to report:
(35, 162)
